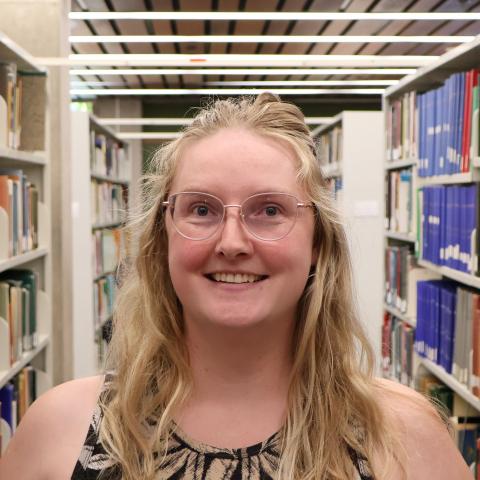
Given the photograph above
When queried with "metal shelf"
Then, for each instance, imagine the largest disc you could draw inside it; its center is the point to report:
(456, 178)
(27, 357)
(18, 260)
(460, 277)
(404, 237)
(34, 158)
(106, 178)
(403, 163)
(397, 313)
(451, 381)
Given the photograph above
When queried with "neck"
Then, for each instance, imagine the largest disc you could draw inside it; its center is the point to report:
(229, 361)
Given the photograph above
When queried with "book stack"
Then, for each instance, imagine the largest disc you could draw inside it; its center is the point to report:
(448, 125)
(397, 349)
(18, 311)
(108, 202)
(448, 330)
(104, 293)
(15, 397)
(449, 219)
(401, 118)
(19, 206)
(11, 92)
(329, 146)
(107, 156)
(108, 246)
(399, 204)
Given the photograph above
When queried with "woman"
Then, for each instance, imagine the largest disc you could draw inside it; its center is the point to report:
(236, 351)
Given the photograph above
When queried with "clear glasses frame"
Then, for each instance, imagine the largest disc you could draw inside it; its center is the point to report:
(170, 205)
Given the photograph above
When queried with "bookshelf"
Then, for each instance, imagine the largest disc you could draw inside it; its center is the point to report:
(426, 143)
(25, 226)
(356, 165)
(98, 178)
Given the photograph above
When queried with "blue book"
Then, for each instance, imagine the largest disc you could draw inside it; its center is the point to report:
(7, 396)
(472, 225)
(458, 139)
(453, 122)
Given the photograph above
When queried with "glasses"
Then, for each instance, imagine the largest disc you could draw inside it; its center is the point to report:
(267, 216)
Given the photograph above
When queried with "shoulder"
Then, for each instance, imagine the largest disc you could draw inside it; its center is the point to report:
(429, 449)
(52, 432)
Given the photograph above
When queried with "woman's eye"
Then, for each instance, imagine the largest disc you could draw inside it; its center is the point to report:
(271, 211)
(201, 210)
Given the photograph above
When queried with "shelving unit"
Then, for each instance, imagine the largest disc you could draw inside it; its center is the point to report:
(86, 342)
(361, 205)
(32, 158)
(462, 58)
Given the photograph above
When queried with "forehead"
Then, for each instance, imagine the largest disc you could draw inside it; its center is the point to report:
(234, 160)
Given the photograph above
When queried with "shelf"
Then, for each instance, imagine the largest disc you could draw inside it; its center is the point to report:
(449, 179)
(332, 170)
(397, 164)
(11, 52)
(451, 381)
(34, 158)
(99, 127)
(27, 357)
(404, 237)
(337, 119)
(461, 58)
(98, 226)
(18, 260)
(397, 313)
(106, 178)
(461, 277)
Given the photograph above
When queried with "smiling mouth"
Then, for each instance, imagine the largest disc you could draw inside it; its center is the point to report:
(235, 277)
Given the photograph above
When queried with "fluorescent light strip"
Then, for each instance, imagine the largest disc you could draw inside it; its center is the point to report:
(305, 83)
(147, 135)
(225, 91)
(272, 16)
(239, 60)
(114, 121)
(262, 83)
(245, 71)
(270, 39)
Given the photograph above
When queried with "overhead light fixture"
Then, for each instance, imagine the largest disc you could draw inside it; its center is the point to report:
(147, 135)
(239, 60)
(225, 91)
(270, 38)
(86, 83)
(304, 83)
(273, 16)
(115, 121)
(244, 71)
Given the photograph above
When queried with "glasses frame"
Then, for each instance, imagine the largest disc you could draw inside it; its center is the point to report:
(169, 203)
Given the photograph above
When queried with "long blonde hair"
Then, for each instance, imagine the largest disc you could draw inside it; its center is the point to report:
(332, 406)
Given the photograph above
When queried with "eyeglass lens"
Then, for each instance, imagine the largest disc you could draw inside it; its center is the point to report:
(269, 216)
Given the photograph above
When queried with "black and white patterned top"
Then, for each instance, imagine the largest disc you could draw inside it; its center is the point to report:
(188, 459)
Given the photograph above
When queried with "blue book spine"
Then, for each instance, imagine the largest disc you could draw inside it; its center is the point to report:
(6, 400)
(451, 331)
(461, 101)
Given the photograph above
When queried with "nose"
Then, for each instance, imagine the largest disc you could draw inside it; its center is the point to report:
(233, 239)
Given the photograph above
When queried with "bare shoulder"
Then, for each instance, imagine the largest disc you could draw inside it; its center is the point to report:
(52, 432)
(429, 448)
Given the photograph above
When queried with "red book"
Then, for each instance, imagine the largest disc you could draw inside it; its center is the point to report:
(466, 121)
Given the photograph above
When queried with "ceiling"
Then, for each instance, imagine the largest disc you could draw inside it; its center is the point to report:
(262, 27)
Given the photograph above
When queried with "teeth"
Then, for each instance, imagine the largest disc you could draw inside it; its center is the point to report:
(235, 277)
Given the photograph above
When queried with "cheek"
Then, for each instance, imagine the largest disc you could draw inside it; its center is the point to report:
(185, 256)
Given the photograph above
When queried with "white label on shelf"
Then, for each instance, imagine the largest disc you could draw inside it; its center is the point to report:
(366, 208)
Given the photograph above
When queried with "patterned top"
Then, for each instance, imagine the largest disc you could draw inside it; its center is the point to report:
(188, 459)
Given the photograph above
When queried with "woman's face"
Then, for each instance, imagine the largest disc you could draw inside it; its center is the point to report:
(234, 164)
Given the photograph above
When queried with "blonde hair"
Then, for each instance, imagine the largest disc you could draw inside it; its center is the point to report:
(333, 404)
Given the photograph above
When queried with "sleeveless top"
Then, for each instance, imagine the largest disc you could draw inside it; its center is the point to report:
(188, 459)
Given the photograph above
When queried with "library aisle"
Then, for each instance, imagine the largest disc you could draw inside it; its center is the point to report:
(90, 89)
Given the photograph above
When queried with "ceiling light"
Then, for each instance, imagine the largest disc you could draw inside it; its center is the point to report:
(245, 71)
(270, 39)
(109, 121)
(225, 91)
(272, 16)
(261, 60)
(306, 83)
